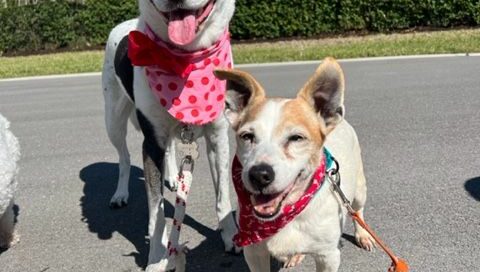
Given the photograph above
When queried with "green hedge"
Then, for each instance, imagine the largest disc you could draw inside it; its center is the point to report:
(98, 17)
(57, 24)
(282, 18)
(61, 23)
(37, 27)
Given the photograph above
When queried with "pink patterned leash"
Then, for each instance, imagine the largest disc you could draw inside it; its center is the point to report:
(176, 252)
(189, 149)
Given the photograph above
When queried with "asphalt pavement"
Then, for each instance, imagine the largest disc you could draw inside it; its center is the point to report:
(418, 122)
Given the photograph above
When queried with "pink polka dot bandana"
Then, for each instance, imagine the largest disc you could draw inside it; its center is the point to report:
(253, 229)
(183, 82)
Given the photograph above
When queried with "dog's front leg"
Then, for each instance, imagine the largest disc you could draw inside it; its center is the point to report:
(328, 261)
(257, 258)
(171, 169)
(218, 152)
(157, 224)
(153, 157)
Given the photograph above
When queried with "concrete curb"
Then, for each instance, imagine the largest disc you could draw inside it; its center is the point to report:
(253, 65)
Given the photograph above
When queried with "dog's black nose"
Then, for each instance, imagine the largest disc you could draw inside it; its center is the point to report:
(261, 175)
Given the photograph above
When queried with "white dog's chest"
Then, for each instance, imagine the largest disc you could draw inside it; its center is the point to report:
(316, 229)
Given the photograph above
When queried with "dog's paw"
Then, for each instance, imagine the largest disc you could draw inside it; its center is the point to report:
(119, 200)
(168, 265)
(171, 184)
(228, 229)
(233, 250)
(15, 238)
(365, 240)
(158, 267)
(230, 247)
(181, 261)
(10, 240)
(293, 261)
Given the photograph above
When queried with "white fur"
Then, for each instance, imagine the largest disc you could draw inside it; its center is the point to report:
(317, 229)
(268, 149)
(211, 30)
(9, 155)
(119, 108)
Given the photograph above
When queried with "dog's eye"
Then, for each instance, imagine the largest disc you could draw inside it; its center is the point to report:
(248, 137)
(296, 138)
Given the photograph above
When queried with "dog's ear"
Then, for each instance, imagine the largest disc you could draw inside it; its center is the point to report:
(242, 90)
(324, 91)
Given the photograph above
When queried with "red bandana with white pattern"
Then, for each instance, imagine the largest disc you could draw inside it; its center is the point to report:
(253, 229)
(183, 82)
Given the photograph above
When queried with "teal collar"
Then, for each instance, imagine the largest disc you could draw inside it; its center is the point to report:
(328, 158)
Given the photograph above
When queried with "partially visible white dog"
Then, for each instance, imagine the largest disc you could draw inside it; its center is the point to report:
(9, 155)
(163, 81)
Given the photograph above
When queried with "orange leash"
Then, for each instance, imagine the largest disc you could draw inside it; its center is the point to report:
(398, 265)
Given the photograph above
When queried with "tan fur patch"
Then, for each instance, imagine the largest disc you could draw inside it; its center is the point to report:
(327, 80)
(328, 69)
(298, 112)
(252, 111)
(257, 98)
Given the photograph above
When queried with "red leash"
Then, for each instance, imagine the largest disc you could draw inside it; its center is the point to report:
(398, 265)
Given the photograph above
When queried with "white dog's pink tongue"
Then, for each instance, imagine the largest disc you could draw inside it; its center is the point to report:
(265, 210)
(266, 205)
(182, 27)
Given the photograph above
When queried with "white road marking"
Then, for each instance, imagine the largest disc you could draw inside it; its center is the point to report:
(271, 64)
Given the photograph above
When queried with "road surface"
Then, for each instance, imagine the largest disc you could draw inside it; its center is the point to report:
(418, 121)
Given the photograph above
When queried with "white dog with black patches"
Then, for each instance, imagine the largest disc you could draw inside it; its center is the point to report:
(155, 76)
(287, 207)
(9, 156)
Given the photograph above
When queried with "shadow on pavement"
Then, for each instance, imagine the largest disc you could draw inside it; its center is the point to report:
(131, 222)
(472, 186)
(350, 238)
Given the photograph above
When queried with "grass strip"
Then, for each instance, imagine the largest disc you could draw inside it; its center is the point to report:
(51, 64)
(415, 43)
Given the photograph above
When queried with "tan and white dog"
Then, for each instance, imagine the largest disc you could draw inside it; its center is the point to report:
(187, 26)
(280, 145)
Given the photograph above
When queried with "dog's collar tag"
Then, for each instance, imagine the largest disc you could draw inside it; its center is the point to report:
(187, 146)
(188, 149)
(252, 229)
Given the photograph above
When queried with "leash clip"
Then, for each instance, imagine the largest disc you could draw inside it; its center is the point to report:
(188, 148)
(187, 160)
(333, 175)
